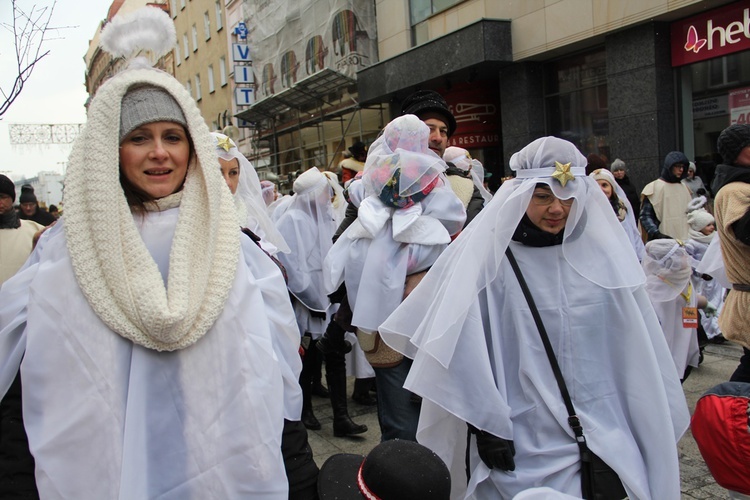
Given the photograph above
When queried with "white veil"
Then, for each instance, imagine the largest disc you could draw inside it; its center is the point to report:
(593, 240)
(249, 196)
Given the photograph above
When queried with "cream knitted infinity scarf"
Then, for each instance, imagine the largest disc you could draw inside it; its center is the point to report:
(114, 269)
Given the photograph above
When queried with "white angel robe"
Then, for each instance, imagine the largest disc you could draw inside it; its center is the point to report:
(613, 358)
(682, 342)
(108, 419)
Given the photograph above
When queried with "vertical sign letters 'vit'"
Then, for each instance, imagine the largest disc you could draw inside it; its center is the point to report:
(713, 34)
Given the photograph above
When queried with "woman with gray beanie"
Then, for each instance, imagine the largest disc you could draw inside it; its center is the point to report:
(165, 363)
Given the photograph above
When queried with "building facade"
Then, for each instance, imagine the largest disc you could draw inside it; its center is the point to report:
(604, 75)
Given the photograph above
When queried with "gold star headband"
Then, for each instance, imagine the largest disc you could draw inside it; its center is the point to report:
(562, 173)
(226, 143)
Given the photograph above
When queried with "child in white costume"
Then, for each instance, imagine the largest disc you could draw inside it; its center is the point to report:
(406, 219)
(165, 363)
(702, 232)
(479, 359)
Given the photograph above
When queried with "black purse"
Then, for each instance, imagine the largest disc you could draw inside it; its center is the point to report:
(598, 480)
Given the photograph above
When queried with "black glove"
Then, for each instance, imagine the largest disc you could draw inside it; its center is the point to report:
(495, 452)
(658, 236)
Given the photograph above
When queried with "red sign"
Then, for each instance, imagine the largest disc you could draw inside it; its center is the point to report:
(716, 33)
(739, 106)
(476, 107)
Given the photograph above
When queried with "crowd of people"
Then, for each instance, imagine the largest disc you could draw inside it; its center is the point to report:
(526, 343)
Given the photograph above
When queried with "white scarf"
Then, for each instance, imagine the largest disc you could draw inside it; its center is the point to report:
(112, 265)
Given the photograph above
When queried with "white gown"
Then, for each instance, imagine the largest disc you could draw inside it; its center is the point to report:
(106, 418)
(611, 351)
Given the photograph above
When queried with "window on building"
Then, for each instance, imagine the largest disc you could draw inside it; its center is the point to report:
(207, 25)
(214, 125)
(173, 9)
(576, 101)
(177, 55)
(724, 71)
(198, 95)
(211, 79)
(189, 88)
(185, 45)
(223, 71)
(420, 11)
(195, 38)
(219, 24)
(182, 4)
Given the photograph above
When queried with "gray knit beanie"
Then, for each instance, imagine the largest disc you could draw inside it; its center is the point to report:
(732, 141)
(148, 104)
(618, 164)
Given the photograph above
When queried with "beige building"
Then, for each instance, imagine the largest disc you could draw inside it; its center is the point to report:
(201, 60)
(100, 65)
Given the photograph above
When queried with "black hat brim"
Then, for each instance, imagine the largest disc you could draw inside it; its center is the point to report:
(338, 477)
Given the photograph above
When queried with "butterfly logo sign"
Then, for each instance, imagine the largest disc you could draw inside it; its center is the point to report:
(693, 42)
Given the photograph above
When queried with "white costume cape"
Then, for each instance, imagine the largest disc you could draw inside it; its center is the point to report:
(110, 419)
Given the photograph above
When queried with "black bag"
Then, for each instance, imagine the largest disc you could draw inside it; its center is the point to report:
(598, 480)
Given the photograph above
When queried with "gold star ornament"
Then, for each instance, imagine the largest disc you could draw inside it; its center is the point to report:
(226, 144)
(562, 173)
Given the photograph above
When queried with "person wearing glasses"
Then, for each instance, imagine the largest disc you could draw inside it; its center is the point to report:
(479, 360)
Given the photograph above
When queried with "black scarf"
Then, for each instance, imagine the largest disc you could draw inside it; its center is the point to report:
(10, 220)
(454, 170)
(530, 235)
(729, 173)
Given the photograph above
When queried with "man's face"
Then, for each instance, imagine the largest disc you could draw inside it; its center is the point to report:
(28, 208)
(743, 159)
(438, 134)
(619, 174)
(677, 169)
(6, 203)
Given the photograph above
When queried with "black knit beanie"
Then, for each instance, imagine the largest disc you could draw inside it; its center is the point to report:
(429, 101)
(27, 194)
(7, 187)
(732, 141)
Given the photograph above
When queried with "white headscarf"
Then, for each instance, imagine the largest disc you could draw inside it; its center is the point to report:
(463, 161)
(308, 225)
(668, 269)
(593, 240)
(249, 196)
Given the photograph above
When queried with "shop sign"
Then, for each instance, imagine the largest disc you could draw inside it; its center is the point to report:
(739, 106)
(713, 34)
(710, 107)
(475, 107)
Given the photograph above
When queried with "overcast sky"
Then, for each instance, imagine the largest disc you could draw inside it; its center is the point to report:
(56, 91)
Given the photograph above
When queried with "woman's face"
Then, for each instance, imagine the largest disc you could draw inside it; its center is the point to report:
(548, 212)
(154, 158)
(709, 229)
(230, 169)
(606, 187)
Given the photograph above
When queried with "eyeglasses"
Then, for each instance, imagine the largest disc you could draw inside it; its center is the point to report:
(544, 199)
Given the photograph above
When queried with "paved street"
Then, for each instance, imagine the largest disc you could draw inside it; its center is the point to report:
(719, 363)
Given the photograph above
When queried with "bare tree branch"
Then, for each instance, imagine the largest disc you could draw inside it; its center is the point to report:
(29, 34)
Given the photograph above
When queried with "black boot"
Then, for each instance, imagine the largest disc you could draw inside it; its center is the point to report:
(318, 389)
(361, 393)
(305, 382)
(333, 340)
(336, 377)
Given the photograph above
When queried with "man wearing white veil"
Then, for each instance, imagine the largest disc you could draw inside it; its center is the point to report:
(479, 357)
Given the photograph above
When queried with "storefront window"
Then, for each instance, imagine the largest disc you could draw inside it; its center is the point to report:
(719, 87)
(576, 101)
(420, 10)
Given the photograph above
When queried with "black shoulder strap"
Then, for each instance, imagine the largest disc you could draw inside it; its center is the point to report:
(573, 420)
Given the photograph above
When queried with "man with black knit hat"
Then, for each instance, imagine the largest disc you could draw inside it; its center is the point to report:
(433, 110)
(30, 209)
(732, 211)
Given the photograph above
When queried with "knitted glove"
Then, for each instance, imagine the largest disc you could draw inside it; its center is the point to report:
(495, 452)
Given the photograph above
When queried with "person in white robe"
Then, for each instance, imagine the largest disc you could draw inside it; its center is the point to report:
(165, 361)
(621, 205)
(407, 218)
(244, 184)
(668, 271)
(307, 226)
(479, 359)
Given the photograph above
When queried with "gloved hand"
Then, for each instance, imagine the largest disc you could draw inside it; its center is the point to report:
(710, 310)
(658, 236)
(495, 452)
